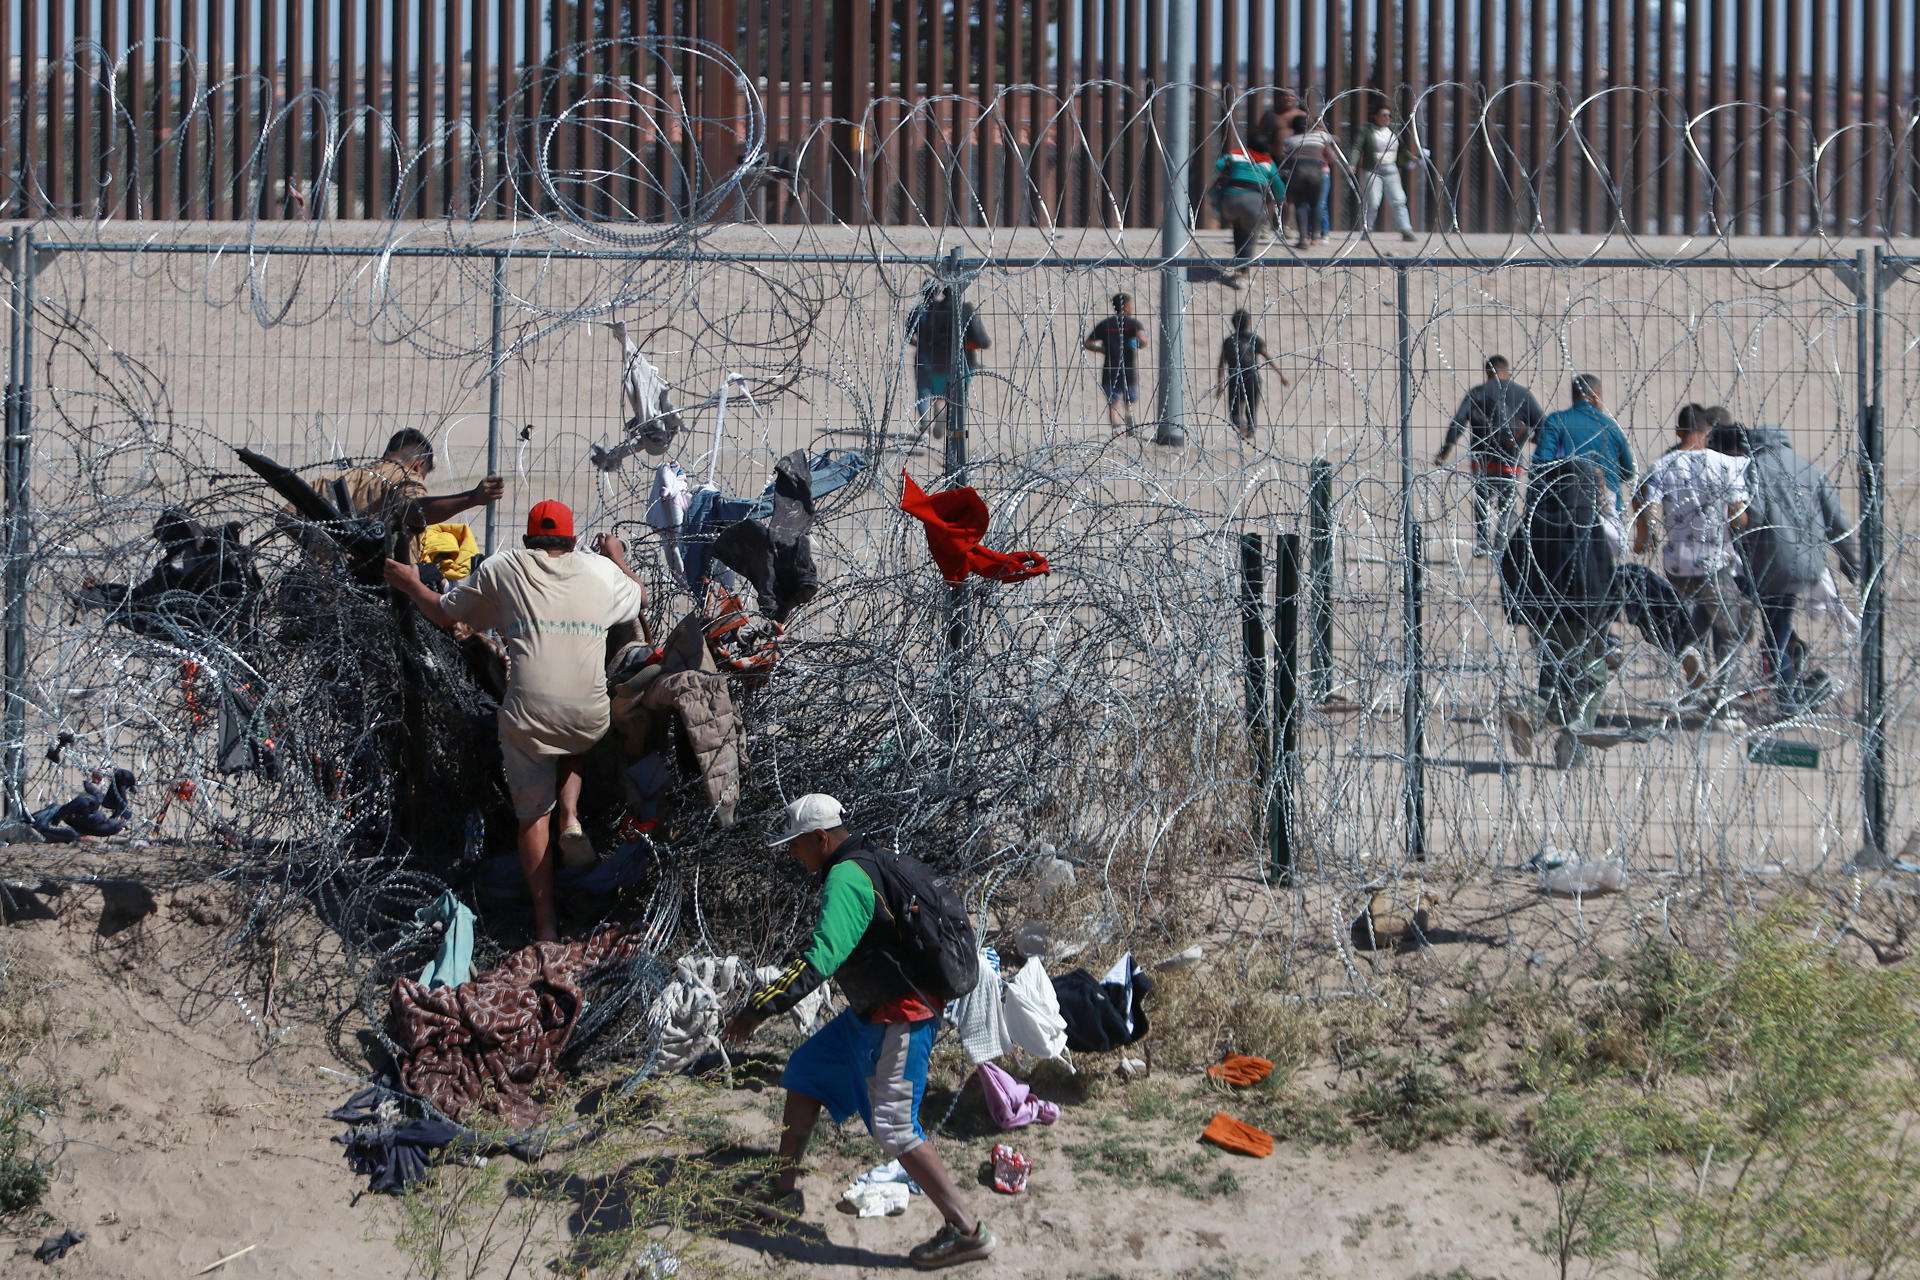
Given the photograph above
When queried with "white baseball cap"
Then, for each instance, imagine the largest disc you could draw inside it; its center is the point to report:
(809, 813)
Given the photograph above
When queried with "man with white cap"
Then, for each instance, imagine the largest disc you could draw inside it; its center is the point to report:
(871, 1060)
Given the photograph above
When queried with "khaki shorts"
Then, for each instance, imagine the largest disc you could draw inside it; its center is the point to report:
(533, 781)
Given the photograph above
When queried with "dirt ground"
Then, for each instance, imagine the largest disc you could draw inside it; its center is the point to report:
(190, 1118)
(185, 1134)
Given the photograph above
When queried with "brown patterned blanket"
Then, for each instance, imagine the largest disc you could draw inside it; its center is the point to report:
(491, 1043)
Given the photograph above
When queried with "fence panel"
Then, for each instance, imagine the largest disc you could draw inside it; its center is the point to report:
(149, 365)
(1514, 134)
(1898, 396)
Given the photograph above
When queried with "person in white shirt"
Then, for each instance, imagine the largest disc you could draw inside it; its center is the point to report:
(1702, 496)
(1378, 160)
(553, 606)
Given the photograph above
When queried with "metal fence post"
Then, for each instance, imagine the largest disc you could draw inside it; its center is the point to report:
(1253, 670)
(493, 387)
(1413, 711)
(959, 367)
(18, 458)
(1871, 287)
(1174, 212)
(1253, 640)
(1286, 713)
(1320, 598)
(960, 594)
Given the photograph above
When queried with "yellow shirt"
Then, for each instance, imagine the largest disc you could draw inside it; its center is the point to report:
(451, 548)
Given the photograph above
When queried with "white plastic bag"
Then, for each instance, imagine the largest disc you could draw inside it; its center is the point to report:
(1582, 877)
(875, 1199)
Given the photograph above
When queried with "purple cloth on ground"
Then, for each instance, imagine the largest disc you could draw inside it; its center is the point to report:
(1011, 1102)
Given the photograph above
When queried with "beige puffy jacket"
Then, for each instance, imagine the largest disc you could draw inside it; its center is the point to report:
(685, 685)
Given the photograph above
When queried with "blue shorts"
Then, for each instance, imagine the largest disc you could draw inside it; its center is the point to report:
(928, 383)
(876, 1070)
(1122, 387)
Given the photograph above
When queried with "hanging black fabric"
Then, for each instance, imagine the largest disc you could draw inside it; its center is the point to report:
(1097, 1012)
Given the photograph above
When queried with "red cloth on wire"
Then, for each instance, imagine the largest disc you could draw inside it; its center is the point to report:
(956, 520)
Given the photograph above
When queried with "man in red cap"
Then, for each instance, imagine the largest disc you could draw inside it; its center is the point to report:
(552, 606)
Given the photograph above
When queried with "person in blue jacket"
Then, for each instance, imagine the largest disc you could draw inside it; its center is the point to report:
(1583, 430)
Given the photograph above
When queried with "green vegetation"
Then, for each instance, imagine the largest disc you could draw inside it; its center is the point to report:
(1409, 1104)
(26, 1027)
(597, 1208)
(24, 1168)
(1138, 1160)
(1706, 1118)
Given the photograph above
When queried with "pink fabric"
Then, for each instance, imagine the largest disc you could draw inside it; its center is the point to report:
(1010, 1102)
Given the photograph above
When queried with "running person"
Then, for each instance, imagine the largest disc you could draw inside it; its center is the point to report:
(1242, 353)
(1247, 194)
(1119, 339)
(1498, 417)
(930, 334)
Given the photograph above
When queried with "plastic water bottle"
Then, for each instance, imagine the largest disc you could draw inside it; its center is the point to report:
(1582, 877)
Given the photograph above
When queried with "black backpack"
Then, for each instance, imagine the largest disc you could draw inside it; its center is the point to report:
(938, 952)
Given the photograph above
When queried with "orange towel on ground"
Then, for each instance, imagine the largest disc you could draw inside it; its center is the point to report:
(1241, 1069)
(1237, 1135)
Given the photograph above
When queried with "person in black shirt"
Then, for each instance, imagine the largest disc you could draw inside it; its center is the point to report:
(1119, 339)
(1241, 354)
(930, 334)
(1499, 416)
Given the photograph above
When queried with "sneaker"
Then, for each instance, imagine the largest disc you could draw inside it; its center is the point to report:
(1409, 237)
(950, 1248)
(1519, 732)
(938, 431)
(575, 849)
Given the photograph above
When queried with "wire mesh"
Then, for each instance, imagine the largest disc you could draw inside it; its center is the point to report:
(1099, 710)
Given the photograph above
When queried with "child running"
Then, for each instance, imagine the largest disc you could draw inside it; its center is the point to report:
(1118, 340)
(1242, 353)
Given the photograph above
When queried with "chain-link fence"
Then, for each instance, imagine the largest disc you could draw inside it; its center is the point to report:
(138, 368)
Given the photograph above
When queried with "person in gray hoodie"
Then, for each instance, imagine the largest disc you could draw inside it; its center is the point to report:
(1793, 517)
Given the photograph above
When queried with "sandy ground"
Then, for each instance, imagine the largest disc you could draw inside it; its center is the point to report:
(191, 1115)
(185, 1139)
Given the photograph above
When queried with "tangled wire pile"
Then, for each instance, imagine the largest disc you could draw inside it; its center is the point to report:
(339, 752)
